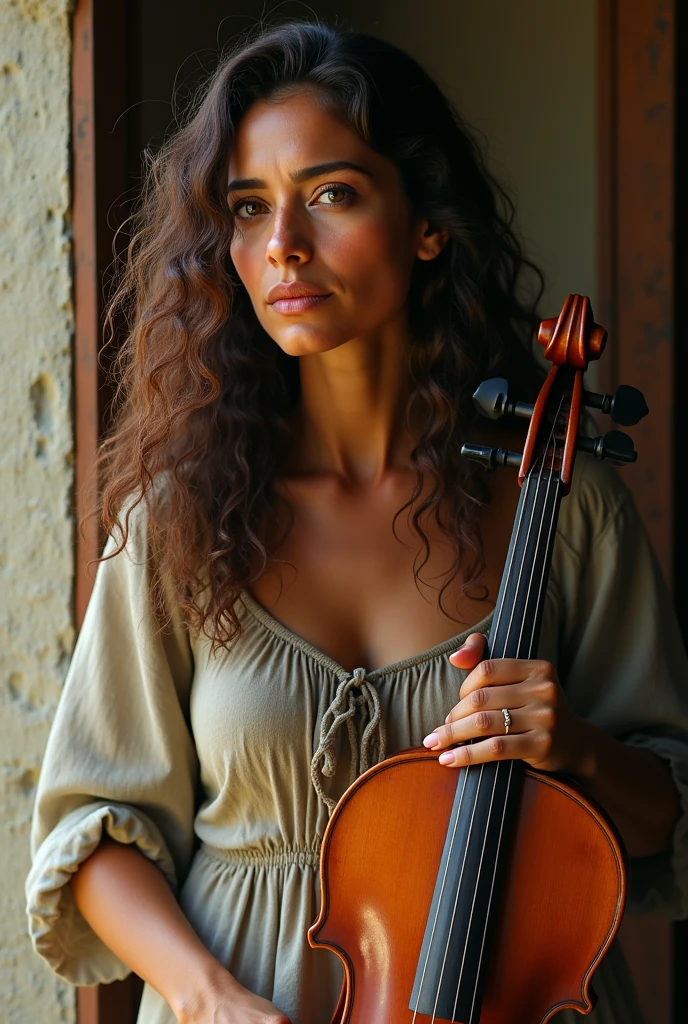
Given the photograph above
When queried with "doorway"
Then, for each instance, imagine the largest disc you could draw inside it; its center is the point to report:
(554, 91)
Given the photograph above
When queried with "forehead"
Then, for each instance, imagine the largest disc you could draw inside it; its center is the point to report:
(286, 134)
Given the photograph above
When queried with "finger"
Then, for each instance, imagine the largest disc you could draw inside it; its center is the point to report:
(468, 656)
(494, 698)
(496, 748)
(498, 671)
(479, 725)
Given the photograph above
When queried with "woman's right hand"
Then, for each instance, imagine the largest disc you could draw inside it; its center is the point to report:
(225, 1001)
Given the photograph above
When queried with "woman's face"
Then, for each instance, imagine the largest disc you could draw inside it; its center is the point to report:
(325, 240)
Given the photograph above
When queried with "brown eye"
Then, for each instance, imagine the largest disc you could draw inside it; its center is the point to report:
(333, 196)
(247, 209)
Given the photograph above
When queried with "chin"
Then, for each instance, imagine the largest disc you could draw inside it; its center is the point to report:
(301, 340)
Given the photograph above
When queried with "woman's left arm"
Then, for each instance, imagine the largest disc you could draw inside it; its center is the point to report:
(634, 786)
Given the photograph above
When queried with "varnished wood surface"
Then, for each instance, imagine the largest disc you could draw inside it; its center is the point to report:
(565, 881)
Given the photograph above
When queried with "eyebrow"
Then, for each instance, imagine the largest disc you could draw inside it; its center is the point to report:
(316, 171)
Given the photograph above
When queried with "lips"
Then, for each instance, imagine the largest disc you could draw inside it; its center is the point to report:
(296, 297)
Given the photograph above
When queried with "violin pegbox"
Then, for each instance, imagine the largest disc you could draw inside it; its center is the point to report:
(571, 341)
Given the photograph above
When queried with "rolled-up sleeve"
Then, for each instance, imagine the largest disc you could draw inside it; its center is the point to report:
(620, 654)
(120, 759)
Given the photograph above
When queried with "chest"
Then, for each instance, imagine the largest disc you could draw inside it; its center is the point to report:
(360, 584)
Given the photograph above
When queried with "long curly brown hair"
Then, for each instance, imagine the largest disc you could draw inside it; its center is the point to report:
(204, 394)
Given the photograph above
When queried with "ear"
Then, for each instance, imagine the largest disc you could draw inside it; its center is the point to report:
(432, 241)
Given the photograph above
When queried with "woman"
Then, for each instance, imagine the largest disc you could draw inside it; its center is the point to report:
(321, 278)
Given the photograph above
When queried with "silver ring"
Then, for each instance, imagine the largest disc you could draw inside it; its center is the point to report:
(507, 720)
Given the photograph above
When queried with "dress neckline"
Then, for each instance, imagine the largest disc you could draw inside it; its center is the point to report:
(259, 612)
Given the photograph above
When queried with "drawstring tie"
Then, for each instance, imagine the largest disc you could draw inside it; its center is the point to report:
(351, 695)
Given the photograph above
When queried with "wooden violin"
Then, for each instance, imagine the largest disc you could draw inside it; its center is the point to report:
(487, 896)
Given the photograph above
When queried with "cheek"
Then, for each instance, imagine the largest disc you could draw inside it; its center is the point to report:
(247, 263)
(374, 259)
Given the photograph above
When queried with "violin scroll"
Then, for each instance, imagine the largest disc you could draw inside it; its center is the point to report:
(573, 338)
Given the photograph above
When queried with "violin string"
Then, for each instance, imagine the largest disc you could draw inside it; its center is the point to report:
(543, 574)
(475, 894)
(456, 898)
(492, 885)
(465, 784)
(475, 804)
(509, 780)
(439, 898)
(510, 623)
(509, 568)
(466, 770)
(541, 460)
(537, 546)
(550, 441)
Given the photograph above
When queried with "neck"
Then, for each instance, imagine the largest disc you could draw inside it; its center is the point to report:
(351, 419)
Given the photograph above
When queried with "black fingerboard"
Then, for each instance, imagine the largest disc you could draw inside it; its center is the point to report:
(454, 957)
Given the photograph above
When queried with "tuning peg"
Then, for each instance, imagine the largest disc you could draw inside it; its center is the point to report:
(492, 400)
(491, 458)
(615, 445)
(626, 406)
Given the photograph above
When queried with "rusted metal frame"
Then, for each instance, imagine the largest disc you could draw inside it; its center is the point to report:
(86, 416)
(86, 290)
(607, 99)
(635, 232)
(98, 176)
(680, 377)
(645, 256)
(636, 289)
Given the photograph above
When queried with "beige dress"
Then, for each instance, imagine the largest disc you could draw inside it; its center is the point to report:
(205, 762)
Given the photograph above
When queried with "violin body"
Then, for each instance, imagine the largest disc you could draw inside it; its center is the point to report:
(561, 906)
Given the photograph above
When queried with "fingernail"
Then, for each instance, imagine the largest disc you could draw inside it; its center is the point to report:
(447, 757)
(431, 741)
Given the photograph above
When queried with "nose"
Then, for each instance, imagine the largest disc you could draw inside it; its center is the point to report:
(289, 242)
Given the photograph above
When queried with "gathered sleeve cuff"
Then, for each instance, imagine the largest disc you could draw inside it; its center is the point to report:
(59, 933)
(120, 760)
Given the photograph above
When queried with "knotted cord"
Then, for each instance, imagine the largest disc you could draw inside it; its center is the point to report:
(343, 709)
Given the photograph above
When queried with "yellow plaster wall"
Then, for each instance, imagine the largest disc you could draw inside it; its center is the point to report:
(36, 454)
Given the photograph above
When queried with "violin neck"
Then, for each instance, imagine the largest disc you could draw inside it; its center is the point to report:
(517, 619)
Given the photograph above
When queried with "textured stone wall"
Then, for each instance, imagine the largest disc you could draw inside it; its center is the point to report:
(36, 455)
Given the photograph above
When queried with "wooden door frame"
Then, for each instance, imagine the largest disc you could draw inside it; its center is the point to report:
(636, 261)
